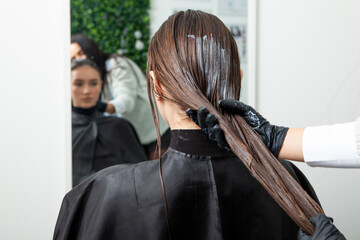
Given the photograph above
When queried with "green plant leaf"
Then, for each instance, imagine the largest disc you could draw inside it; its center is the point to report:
(112, 23)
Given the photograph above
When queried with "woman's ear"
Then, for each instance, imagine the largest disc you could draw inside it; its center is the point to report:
(157, 88)
(241, 74)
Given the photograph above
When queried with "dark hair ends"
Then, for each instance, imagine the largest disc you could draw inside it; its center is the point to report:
(195, 58)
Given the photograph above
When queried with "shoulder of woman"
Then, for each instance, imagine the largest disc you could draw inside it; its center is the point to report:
(116, 173)
(115, 123)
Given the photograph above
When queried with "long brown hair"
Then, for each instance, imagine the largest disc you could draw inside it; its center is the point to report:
(195, 58)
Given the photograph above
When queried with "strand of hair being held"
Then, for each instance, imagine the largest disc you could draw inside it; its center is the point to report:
(277, 181)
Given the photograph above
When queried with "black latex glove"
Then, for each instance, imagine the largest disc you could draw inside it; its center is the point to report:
(273, 136)
(209, 125)
(324, 229)
(101, 106)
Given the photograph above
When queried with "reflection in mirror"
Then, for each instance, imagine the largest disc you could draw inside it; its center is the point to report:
(122, 30)
(98, 141)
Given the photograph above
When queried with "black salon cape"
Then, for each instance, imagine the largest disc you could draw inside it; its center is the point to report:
(210, 195)
(99, 142)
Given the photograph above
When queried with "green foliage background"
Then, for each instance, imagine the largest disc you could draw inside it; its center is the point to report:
(112, 24)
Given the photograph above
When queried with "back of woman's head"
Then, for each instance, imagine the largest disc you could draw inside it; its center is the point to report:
(195, 58)
(194, 50)
(91, 50)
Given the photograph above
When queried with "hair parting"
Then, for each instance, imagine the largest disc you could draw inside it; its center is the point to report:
(195, 58)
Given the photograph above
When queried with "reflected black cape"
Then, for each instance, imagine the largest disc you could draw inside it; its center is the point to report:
(99, 142)
(210, 195)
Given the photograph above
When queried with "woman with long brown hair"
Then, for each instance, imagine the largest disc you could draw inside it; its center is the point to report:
(195, 190)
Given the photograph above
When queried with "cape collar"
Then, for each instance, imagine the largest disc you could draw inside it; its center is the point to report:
(84, 111)
(194, 142)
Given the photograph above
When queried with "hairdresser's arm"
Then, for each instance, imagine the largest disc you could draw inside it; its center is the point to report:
(110, 108)
(123, 86)
(105, 107)
(292, 147)
(102, 106)
(332, 146)
(322, 146)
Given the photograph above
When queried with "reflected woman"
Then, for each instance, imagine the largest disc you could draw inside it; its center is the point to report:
(124, 91)
(195, 190)
(97, 141)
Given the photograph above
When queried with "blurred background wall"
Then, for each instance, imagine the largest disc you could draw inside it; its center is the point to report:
(35, 133)
(308, 73)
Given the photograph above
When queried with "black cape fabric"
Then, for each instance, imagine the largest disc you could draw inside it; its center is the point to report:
(210, 195)
(99, 142)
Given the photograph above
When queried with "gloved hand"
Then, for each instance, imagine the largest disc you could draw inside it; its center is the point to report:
(101, 106)
(324, 229)
(209, 125)
(273, 136)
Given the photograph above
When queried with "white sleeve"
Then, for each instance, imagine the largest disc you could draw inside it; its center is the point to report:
(331, 146)
(123, 86)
